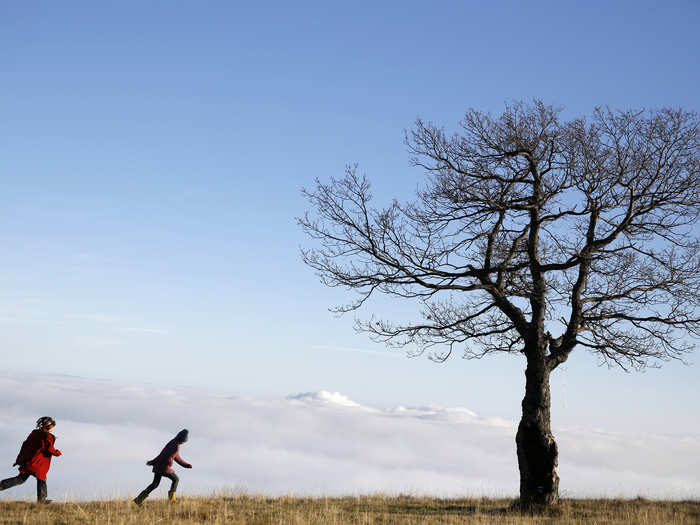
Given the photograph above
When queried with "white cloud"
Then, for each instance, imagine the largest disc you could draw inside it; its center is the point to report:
(324, 398)
(312, 443)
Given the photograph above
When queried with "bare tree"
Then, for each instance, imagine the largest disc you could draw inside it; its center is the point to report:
(532, 236)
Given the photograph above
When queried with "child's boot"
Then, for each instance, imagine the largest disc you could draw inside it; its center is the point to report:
(139, 499)
(171, 496)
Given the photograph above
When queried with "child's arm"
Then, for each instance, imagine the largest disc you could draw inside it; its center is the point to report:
(50, 450)
(181, 461)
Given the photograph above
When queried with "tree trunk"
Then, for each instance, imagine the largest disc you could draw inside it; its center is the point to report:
(537, 450)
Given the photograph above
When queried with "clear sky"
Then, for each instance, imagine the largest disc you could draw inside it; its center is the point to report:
(152, 156)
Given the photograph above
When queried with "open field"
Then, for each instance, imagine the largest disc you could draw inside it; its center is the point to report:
(369, 510)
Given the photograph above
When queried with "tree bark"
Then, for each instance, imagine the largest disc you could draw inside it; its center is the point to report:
(537, 449)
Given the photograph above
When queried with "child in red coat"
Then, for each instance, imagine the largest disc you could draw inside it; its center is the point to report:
(34, 458)
(162, 467)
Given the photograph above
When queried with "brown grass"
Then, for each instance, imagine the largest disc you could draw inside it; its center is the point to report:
(371, 510)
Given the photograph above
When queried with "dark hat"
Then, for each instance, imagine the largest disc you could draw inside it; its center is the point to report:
(182, 435)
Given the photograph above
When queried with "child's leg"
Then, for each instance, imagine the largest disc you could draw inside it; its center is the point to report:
(173, 485)
(174, 480)
(12, 482)
(154, 484)
(145, 492)
(41, 491)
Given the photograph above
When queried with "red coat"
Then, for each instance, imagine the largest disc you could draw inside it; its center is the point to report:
(163, 462)
(35, 455)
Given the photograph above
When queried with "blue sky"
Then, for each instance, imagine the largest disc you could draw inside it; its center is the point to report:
(152, 156)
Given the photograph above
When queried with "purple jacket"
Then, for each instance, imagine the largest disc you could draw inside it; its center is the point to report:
(163, 462)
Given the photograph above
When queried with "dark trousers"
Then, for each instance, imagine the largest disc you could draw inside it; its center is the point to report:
(41, 490)
(156, 481)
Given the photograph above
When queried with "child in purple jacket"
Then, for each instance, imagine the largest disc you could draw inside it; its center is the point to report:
(162, 467)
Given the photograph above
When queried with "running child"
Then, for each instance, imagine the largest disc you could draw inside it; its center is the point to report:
(162, 467)
(34, 458)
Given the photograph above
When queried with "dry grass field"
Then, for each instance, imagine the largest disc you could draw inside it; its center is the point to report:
(371, 510)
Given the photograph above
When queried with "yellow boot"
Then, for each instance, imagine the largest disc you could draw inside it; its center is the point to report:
(171, 496)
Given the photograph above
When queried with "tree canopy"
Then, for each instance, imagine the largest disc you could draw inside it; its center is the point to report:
(584, 226)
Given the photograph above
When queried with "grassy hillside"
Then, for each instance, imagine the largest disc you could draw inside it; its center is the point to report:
(360, 510)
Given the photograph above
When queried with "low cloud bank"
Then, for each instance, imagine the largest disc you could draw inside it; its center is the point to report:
(312, 443)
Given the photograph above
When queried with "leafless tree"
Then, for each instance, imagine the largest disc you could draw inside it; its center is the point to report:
(535, 236)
